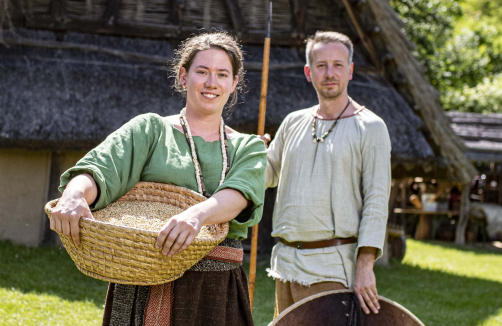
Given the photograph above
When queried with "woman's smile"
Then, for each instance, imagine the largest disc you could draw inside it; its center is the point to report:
(209, 82)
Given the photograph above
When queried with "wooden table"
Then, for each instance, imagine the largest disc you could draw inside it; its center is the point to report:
(422, 230)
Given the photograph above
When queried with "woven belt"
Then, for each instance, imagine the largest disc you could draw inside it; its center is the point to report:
(320, 244)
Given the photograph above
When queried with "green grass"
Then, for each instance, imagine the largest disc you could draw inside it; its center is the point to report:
(42, 286)
(441, 283)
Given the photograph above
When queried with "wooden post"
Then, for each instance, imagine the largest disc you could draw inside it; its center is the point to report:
(57, 158)
(402, 188)
(464, 214)
(499, 183)
(261, 131)
(384, 260)
(422, 230)
(364, 39)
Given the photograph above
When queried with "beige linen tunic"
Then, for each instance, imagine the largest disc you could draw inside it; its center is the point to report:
(335, 189)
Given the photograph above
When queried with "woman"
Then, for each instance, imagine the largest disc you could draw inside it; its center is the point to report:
(188, 150)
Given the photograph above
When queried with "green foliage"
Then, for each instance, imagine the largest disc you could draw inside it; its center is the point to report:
(460, 44)
(489, 10)
(429, 23)
(468, 58)
(485, 97)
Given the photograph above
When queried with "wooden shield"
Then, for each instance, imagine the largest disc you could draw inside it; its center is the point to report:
(338, 308)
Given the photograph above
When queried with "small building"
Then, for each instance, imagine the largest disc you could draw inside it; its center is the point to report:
(482, 135)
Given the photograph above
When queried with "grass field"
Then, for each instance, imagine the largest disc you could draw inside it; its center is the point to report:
(441, 283)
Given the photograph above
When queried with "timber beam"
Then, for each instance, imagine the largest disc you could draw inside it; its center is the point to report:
(299, 17)
(237, 19)
(175, 9)
(150, 30)
(111, 12)
(58, 11)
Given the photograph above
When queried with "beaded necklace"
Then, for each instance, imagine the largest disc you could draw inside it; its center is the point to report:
(224, 152)
(321, 139)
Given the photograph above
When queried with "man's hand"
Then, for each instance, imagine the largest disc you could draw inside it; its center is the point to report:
(365, 283)
(266, 139)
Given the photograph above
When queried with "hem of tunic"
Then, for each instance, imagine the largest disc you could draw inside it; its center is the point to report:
(276, 276)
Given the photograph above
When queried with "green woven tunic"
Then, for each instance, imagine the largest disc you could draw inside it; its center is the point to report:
(150, 148)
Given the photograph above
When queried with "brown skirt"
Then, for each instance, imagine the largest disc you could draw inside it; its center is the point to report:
(199, 298)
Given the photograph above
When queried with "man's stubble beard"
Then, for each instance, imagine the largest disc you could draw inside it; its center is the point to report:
(333, 94)
(330, 95)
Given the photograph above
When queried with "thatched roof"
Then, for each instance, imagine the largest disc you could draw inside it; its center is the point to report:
(69, 100)
(481, 134)
(86, 75)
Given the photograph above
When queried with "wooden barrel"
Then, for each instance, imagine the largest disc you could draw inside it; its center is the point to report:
(339, 308)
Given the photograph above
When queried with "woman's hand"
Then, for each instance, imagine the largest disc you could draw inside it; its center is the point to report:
(73, 204)
(181, 229)
(66, 215)
(179, 233)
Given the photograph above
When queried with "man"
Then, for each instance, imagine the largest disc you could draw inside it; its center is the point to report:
(331, 164)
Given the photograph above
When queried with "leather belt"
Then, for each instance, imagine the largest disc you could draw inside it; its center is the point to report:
(319, 244)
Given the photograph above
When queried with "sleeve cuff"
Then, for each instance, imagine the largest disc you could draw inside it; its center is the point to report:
(100, 183)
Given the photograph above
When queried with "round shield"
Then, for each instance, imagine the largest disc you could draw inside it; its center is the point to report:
(340, 307)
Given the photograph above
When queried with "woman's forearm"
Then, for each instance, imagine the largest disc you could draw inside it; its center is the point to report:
(181, 229)
(223, 206)
(85, 185)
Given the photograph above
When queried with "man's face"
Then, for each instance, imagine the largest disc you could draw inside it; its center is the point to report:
(329, 70)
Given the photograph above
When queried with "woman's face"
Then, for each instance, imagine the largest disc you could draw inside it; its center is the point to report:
(209, 82)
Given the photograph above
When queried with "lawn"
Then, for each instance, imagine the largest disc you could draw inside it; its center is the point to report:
(441, 283)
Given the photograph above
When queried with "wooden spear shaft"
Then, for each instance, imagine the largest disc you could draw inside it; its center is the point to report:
(261, 132)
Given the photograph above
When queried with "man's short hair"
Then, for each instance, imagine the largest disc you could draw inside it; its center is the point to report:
(327, 37)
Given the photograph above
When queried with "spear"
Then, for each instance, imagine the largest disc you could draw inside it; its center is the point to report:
(261, 131)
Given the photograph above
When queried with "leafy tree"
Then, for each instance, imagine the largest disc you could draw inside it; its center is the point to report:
(429, 23)
(485, 97)
(460, 44)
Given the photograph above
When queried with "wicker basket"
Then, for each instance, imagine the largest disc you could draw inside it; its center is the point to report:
(128, 255)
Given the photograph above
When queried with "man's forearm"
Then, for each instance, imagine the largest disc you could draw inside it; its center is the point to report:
(367, 256)
(365, 282)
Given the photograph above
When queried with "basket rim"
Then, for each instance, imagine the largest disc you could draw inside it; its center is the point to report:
(143, 184)
(84, 220)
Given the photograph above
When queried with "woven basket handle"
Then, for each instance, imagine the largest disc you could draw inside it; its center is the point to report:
(49, 207)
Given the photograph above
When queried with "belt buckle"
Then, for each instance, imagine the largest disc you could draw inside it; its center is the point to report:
(298, 245)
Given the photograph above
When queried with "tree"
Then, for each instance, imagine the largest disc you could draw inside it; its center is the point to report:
(429, 24)
(460, 44)
(485, 97)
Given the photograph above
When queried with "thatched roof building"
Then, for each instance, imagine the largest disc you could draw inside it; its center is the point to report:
(75, 70)
(83, 74)
(70, 100)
